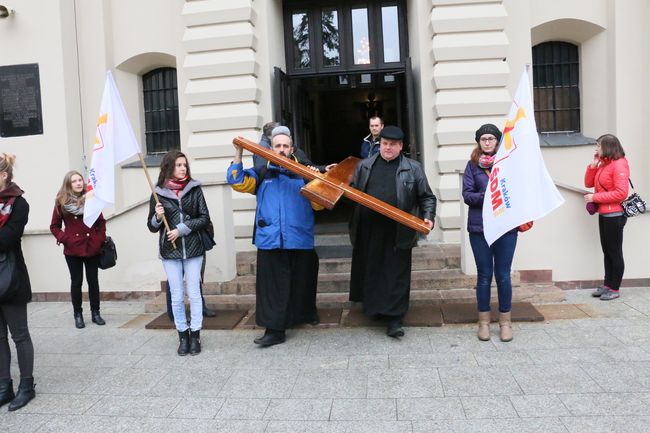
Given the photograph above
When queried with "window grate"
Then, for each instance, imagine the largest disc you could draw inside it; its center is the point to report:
(160, 91)
(556, 87)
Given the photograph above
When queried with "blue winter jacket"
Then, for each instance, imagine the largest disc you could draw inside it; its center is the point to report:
(284, 219)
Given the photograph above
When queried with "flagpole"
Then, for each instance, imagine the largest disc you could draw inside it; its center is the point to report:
(153, 191)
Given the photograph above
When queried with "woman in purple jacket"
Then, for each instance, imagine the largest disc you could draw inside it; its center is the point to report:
(490, 259)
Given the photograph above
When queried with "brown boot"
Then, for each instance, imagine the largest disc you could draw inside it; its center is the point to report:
(505, 326)
(484, 325)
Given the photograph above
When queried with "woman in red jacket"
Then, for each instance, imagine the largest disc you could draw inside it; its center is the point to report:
(609, 175)
(81, 245)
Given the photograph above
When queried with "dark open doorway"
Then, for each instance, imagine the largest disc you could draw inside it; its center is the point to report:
(342, 106)
(346, 62)
(328, 114)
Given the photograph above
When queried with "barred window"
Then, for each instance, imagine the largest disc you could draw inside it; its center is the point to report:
(556, 87)
(161, 110)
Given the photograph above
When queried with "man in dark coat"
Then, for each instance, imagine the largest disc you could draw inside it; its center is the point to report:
(381, 257)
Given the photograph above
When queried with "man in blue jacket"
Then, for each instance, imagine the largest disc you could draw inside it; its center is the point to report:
(287, 264)
(370, 144)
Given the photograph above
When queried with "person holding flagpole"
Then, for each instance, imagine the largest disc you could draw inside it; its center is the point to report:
(181, 248)
(609, 174)
(506, 186)
(81, 244)
(490, 259)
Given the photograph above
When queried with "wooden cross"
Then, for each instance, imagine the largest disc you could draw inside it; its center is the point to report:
(326, 189)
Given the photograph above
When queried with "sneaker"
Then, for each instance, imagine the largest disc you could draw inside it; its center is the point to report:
(599, 291)
(609, 295)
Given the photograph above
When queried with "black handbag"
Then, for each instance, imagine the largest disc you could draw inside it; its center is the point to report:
(207, 237)
(108, 254)
(8, 284)
(634, 204)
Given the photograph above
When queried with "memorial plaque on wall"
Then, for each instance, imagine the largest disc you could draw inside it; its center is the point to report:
(20, 101)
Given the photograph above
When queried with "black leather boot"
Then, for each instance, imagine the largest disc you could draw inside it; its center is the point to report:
(24, 395)
(97, 318)
(6, 391)
(270, 338)
(195, 342)
(184, 342)
(394, 328)
(79, 320)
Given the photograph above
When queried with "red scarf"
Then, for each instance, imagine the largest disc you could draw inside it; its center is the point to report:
(177, 185)
(7, 198)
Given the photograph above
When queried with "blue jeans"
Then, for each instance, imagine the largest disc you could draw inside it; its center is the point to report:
(497, 260)
(191, 268)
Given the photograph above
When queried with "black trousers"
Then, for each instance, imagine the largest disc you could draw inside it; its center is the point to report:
(285, 288)
(611, 241)
(76, 266)
(13, 318)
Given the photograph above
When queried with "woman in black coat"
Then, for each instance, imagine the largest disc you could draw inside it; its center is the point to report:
(181, 249)
(14, 211)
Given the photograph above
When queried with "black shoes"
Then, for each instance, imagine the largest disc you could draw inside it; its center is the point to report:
(395, 329)
(208, 312)
(270, 338)
(97, 318)
(315, 320)
(195, 342)
(184, 343)
(79, 320)
(24, 395)
(6, 391)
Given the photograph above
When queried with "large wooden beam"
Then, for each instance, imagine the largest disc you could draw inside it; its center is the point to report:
(353, 194)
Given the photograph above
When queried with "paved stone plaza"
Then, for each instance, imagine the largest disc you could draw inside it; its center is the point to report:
(589, 373)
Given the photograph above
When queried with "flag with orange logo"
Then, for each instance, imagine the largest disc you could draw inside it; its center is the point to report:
(114, 143)
(520, 188)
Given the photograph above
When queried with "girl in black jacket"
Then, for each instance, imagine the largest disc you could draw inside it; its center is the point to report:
(181, 248)
(14, 211)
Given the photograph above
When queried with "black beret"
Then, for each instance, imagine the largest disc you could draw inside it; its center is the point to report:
(391, 132)
(488, 128)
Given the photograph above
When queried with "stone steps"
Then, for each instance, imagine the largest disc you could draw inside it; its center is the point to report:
(440, 279)
(435, 278)
(430, 257)
(533, 293)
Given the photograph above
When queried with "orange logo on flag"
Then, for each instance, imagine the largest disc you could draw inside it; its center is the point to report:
(99, 141)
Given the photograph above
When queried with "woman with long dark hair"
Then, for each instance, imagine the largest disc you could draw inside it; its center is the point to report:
(81, 244)
(490, 259)
(609, 174)
(181, 248)
(14, 212)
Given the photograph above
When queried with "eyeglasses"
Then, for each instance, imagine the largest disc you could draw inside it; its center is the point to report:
(488, 140)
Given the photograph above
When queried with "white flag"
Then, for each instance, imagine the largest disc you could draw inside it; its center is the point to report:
(520, 188)
(114, 143)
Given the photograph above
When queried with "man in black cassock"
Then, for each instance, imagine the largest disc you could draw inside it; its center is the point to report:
(381, 256)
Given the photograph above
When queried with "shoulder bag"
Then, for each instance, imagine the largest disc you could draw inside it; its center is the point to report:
(207, 237)
(634, 204)
(8, 284)
(108, 254)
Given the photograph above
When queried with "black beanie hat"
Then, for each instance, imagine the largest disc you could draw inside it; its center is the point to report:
(488, 128)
